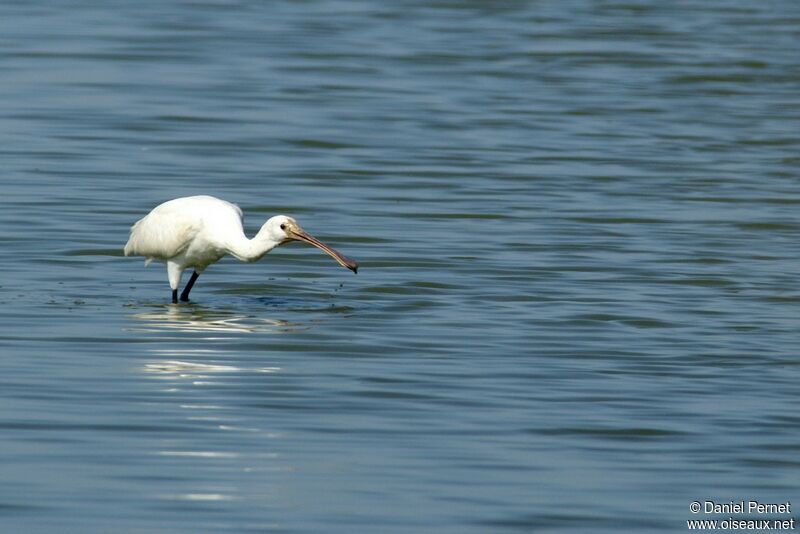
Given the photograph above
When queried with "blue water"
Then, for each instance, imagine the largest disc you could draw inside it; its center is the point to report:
(577, 224)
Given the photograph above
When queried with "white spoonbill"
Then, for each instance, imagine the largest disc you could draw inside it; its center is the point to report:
(198, 231)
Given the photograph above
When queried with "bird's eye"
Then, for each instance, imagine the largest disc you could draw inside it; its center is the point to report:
(283, 227)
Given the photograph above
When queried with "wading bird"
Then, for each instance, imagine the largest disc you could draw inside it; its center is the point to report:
(198, 231)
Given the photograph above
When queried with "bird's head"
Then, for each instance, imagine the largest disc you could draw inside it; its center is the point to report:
(283, 229)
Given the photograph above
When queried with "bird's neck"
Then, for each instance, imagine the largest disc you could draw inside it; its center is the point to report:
(248, 250)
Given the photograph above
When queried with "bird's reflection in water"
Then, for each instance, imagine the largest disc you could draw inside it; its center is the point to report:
(198, 373)
(201, 319)
(200, 360)
(196, 364)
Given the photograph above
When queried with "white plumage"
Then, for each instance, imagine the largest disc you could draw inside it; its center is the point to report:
(197, 231)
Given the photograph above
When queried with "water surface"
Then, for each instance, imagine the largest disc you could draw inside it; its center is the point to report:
(577, 224)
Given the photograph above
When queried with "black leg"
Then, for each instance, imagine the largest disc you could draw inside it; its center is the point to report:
(174, 296)
(192, 280)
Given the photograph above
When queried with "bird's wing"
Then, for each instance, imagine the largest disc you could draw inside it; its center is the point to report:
(163, 233)
(238, 210)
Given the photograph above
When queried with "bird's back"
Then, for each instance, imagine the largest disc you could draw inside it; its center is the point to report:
(170, 228)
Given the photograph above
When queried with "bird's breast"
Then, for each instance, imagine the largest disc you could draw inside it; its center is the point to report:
(200, 255)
